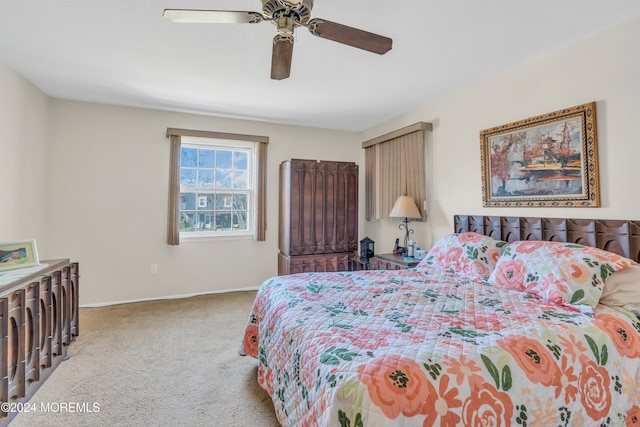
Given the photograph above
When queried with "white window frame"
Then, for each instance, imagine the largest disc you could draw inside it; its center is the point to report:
(223, 144)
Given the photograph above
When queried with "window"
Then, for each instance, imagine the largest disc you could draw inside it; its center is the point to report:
(217, 185)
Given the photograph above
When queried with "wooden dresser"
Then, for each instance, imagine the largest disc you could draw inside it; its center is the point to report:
(318, 215)
(38, 320)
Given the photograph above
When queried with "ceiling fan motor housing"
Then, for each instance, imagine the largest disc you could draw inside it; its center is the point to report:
(298, 10)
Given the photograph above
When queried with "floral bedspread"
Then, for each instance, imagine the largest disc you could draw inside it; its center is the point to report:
(421, 348)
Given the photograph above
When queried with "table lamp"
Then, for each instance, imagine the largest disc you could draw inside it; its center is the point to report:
(405, 207)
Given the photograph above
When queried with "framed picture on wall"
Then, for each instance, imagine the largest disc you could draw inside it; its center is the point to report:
(548, 160)
(18, 255)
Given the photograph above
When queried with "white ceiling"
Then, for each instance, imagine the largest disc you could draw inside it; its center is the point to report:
(124, 52)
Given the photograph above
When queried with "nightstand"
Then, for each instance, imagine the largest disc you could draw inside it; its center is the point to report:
(391, 262)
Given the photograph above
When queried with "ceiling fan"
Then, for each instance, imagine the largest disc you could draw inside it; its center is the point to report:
(286, 15)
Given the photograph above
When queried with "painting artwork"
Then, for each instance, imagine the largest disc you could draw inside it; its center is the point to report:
(548, 160)
(18, 255)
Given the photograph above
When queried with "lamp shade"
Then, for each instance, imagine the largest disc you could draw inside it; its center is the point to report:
(405, 207)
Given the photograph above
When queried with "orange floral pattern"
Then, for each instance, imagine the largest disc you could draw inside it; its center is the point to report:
(250, 340)
(594, 389)
(633, 417)
(440, 406)
(625, 338)
(396, 385)
(511, 274)
(533, 358)
(486, 406)
(423, 348)
(469, 255)
(562, 273)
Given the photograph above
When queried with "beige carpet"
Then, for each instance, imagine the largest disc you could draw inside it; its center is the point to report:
(159, 363)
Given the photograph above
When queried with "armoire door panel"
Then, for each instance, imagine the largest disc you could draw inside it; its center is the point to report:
(284, 208)
(318, 208)
(307, 216)
(293, 224)
(330, 197)
(352, 209)
(341, 211)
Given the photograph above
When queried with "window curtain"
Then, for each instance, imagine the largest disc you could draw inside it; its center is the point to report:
(371, 171)
(173, 225)
(261, 196)
(402, 172)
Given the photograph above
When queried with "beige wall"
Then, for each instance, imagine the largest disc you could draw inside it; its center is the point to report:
(108, 201)
(102, 170)
(23, 126)
(89, 182)
(604, 68)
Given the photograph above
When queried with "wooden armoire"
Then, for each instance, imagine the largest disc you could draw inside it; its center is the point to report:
(318, 215)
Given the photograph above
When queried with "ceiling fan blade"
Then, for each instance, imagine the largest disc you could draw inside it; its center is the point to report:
(350, 36)
(281, 57)
(190, 16)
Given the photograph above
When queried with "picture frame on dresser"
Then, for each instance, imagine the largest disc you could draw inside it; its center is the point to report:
(549, 160)
(18, 254)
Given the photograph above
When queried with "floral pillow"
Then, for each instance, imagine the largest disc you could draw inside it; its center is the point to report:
(561, 273)
(469, 255)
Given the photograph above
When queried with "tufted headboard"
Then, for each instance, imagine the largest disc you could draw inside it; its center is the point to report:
(614, 235)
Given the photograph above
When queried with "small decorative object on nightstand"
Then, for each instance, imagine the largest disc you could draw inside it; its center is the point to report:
(420, 254)
(367, 248)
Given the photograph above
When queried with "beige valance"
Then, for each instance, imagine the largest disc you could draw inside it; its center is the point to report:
(416, 127)
(217, 135)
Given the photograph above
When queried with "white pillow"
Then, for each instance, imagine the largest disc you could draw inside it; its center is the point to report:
(622, 289)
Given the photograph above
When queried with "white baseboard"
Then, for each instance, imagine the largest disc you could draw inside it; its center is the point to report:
(224, 291)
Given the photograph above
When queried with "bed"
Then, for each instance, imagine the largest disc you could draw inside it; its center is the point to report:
(507, 321)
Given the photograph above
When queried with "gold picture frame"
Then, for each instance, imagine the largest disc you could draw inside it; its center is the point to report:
(544, 161)
(18, 254)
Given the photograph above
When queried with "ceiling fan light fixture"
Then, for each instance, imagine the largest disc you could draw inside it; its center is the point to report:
(285, 25)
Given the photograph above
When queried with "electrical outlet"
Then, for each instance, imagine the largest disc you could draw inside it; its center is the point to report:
(153, 269)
